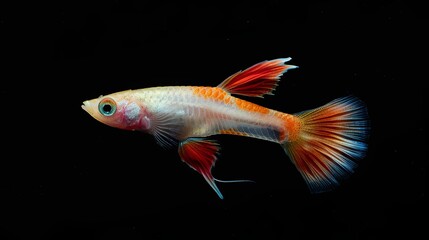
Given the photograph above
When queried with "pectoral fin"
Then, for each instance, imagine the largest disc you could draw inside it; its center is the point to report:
(167, 127)
(200, 154)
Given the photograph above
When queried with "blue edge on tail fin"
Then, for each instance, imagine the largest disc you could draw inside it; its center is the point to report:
(331, 141)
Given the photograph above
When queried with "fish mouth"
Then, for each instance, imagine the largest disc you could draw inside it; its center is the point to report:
(85, 105)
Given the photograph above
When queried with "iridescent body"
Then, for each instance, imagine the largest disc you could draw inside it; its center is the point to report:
(322, 143)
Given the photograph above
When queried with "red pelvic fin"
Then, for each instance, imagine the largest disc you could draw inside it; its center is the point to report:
(200, 154)
(257, 80)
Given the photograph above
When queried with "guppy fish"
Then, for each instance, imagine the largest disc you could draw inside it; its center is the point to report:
(324, 143)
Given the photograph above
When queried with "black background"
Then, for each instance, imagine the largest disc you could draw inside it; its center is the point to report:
(64, 175)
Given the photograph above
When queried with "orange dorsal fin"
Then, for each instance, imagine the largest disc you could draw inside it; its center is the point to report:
(200, 155)
(257, 80)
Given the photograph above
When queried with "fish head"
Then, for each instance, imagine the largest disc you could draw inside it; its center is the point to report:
(119, 110)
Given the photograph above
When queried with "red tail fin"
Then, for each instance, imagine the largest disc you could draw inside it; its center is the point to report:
(257, 80)
(331, 139)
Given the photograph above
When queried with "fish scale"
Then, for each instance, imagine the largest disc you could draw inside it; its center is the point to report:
(209, 111)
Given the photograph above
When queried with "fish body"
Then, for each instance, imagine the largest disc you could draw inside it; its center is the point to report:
(323, 143)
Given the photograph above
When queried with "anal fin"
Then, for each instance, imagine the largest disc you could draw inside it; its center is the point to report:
(200, 155)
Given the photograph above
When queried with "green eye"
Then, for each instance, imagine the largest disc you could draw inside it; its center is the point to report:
(107, 107)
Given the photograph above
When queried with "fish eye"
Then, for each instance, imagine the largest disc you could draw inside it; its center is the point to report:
(107, 107)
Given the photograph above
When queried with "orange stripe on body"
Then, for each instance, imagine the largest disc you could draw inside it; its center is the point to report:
(218, 94)
(251, 107)
(292, 126)
(212, 93)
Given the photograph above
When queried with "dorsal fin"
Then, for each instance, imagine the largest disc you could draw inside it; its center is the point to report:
(257, 80)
